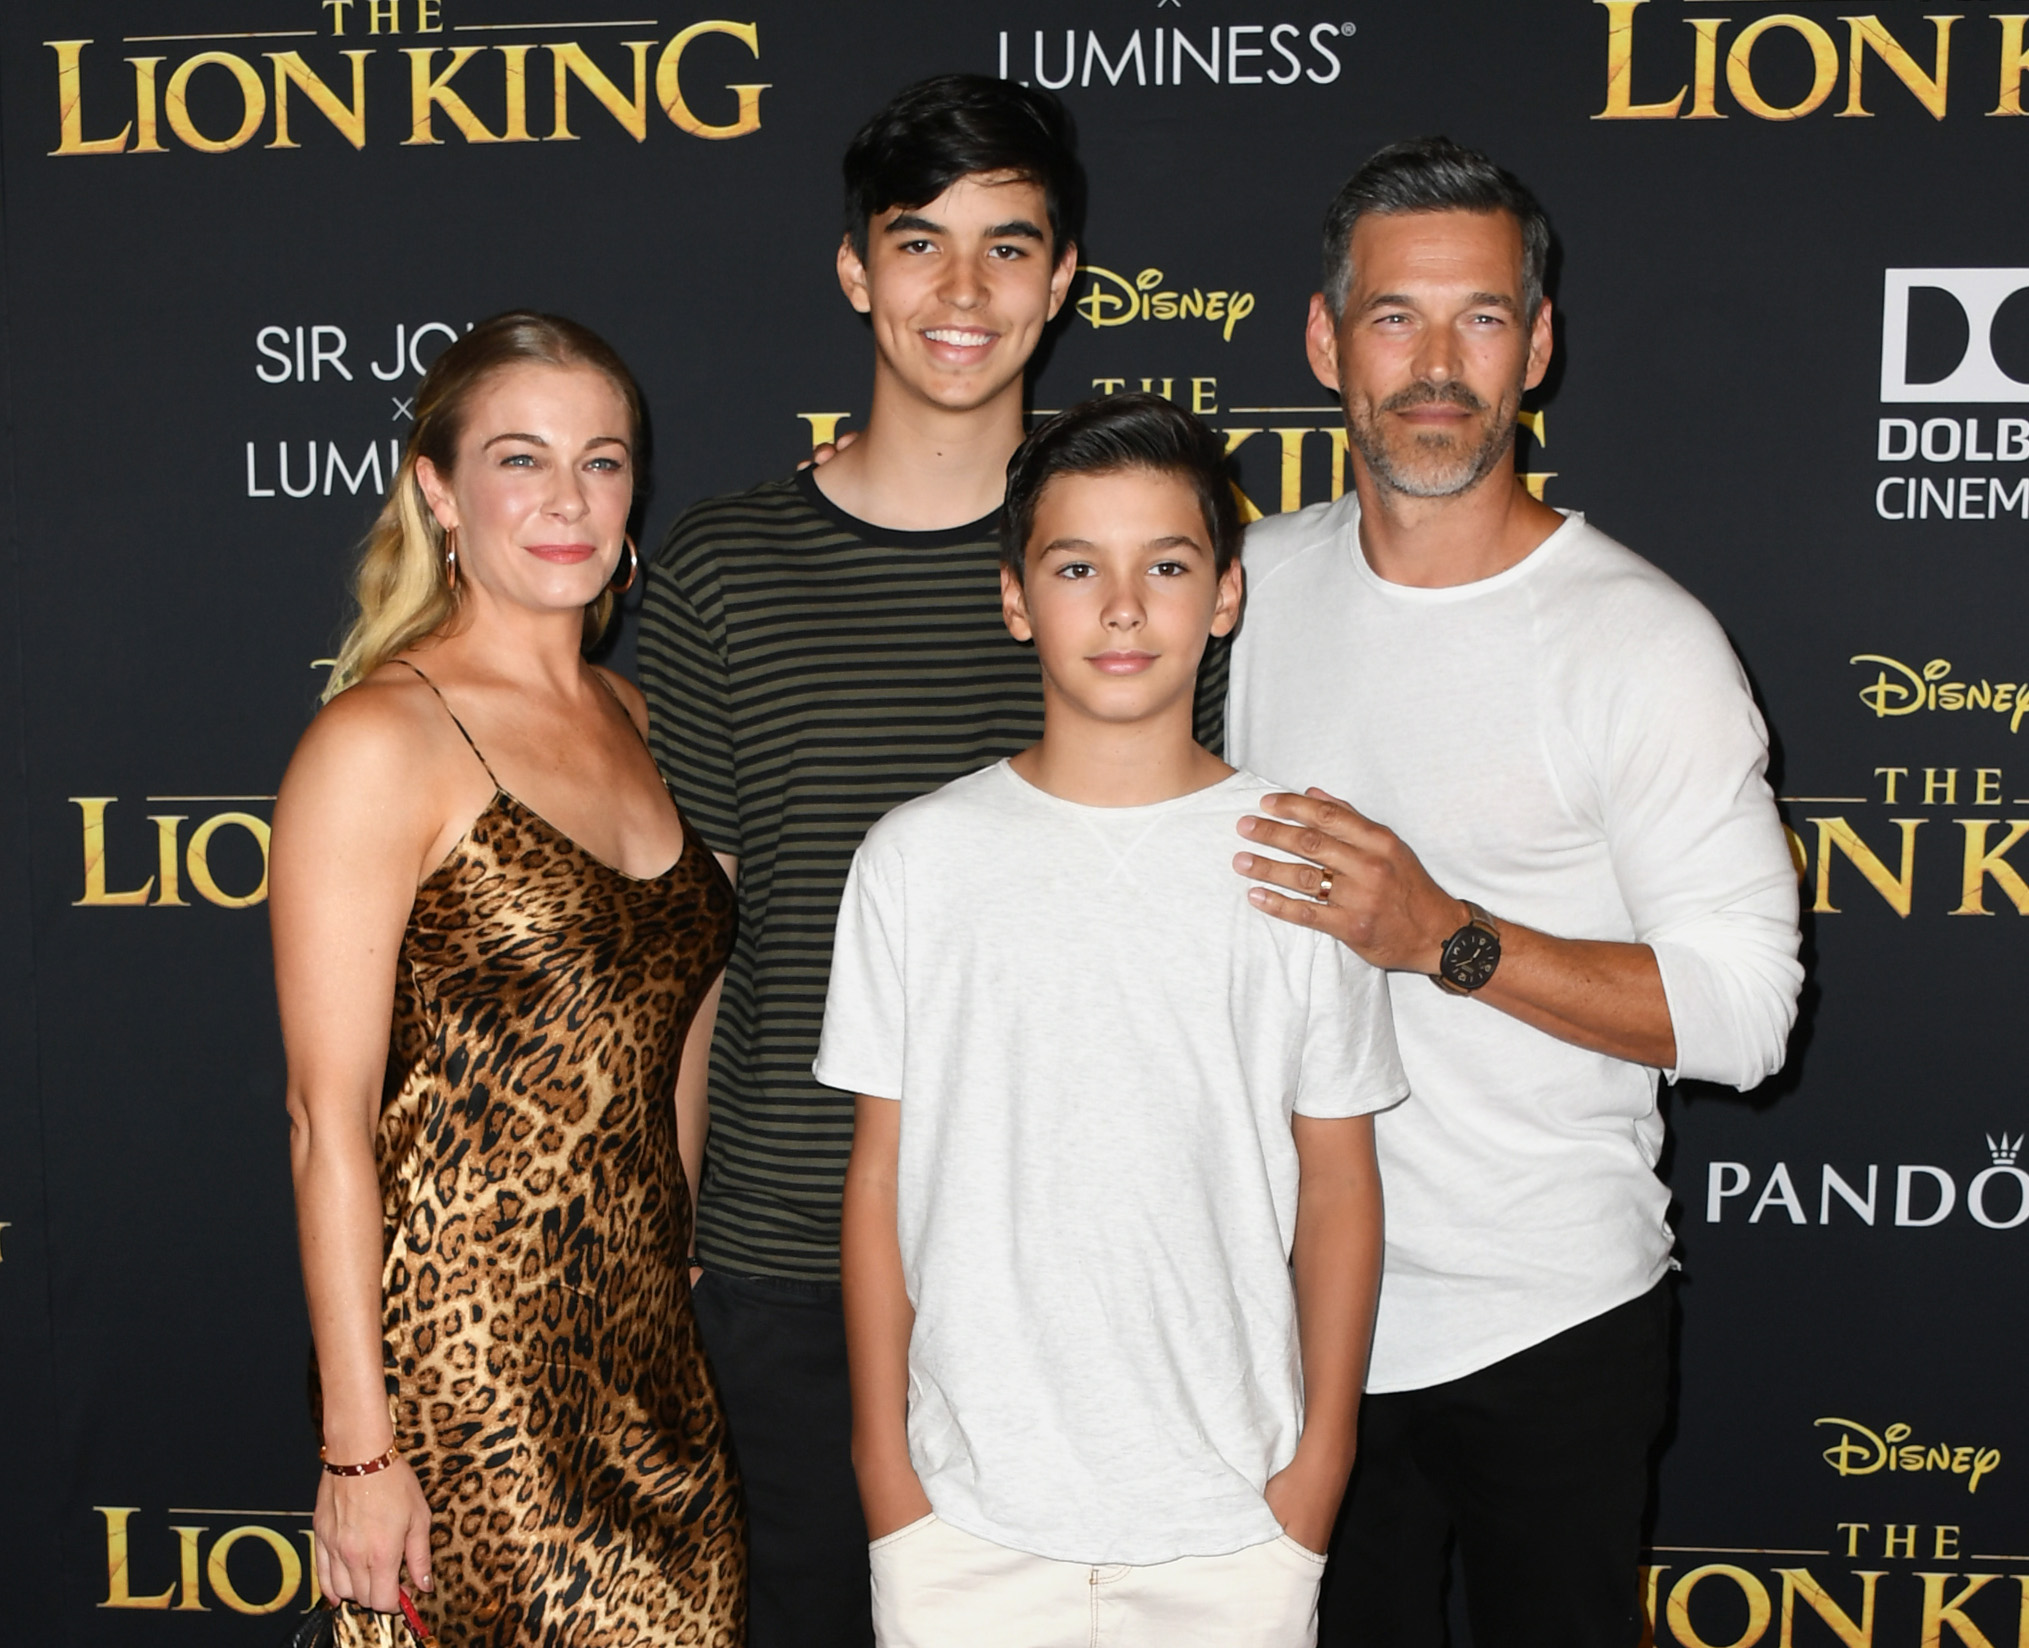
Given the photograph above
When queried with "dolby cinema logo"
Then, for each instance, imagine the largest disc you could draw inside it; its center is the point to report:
(1955, 335)
(1958, 338)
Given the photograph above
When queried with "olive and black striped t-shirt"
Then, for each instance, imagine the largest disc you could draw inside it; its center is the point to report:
(807, 672)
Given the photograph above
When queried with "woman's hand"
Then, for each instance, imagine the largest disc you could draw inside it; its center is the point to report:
(367, 1528)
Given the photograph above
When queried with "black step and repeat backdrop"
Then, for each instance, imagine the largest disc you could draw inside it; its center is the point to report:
(1794, 323)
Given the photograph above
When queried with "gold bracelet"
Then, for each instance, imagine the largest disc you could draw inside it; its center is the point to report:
(368, 1469)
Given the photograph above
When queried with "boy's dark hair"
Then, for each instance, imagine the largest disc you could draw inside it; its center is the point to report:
(1105, 436)
(1433, 174)
(929, 135)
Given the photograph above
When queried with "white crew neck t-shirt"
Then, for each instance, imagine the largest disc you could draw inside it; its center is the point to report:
(1571, 744)
(1098, 1044)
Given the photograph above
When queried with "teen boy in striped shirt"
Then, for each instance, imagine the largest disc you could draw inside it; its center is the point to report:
(815, 652)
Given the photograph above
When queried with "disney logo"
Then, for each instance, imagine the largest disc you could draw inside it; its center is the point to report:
(1903, 689)
(1114, 300)
(1861, 1452)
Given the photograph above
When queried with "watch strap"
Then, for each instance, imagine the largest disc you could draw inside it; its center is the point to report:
(1478, 919)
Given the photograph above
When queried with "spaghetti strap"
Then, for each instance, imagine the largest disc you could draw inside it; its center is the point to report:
(460, 725)
(599, 676)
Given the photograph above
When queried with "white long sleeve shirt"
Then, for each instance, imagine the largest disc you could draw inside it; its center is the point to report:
(1573, 745)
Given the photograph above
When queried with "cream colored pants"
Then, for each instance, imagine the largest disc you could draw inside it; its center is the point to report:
(935, 1587)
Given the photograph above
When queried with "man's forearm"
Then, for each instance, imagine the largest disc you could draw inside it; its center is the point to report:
(1602, 996)
(1363, 884)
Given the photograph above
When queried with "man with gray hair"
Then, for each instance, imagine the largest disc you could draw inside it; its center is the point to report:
(1557, 811)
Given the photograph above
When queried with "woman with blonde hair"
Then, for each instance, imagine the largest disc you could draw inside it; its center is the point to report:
(497, 947)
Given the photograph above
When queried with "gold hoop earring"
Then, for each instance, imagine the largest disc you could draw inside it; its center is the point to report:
(450, 557)
(633, 569)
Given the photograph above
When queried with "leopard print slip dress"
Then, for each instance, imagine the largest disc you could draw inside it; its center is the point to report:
(546, 1375)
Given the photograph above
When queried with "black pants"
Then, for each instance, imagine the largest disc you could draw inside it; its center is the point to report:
(778, 1349)
(1538, 1466)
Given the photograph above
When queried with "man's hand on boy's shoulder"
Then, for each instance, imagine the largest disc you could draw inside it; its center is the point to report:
(1360, 882)
(824, 451)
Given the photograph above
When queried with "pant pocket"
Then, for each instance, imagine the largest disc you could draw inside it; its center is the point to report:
(1315, 1559)
(904, 1532)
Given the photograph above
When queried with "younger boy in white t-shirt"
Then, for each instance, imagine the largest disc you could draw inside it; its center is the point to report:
(1112, 1224)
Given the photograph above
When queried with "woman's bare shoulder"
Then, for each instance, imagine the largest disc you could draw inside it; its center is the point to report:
(377, 741)
(629, 695)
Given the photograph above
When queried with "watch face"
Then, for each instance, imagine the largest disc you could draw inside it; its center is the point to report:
(1470, 957)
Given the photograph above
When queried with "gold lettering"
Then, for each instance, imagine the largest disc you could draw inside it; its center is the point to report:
(291, 70)
(1891, 774)
(1797, 855)
(1705, 69)
(1759, 1610)
(337, 8)
(429, 16)
(192, 1600)
(570, 60)
(669, 86)
(166, 857)
(71, 139)
(1109, 386)
(118, 1578)
(200, 859)
(1797, 1582)
(1906, 694)
(310, 1570)
(146, 140)
(428, 93)
(1740, 74)
(1870, 36)
(285, 1555)
(1938, 1613)
(94, 808)
(1898, 890)
(1850, 1458)
(823, 426)
(1948, 1532)
(1235, 439)
(1292, 467)
(1853, 1531)
(1620, 104)
(516, 71)
(1907, 1541)
(383, 11)
(1652, 1579)
(1204, 395)
(2014, 59)
(253, 95)
(1986, 786)
(1339, 448)
(1107, 307)
(1981, 863)
(1934, 792)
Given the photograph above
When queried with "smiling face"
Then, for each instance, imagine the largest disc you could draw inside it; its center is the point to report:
(541, 487)
(1433, 351)
(1120, 593)
(959, 290)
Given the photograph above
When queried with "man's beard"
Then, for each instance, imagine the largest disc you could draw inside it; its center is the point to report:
(1432, 466)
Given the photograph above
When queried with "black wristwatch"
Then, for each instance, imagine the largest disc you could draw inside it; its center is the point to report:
(1470, 955)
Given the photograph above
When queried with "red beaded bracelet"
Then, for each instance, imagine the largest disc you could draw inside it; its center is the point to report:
(367, 1469)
